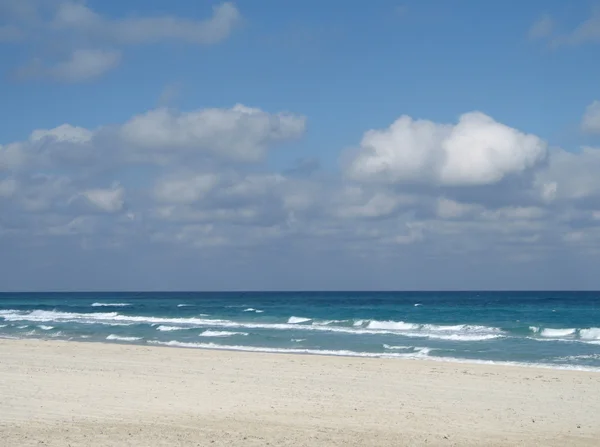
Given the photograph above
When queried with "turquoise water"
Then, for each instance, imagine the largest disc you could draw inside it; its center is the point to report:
(557, 329)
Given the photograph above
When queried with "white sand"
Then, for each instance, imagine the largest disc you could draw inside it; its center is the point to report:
(85, 394)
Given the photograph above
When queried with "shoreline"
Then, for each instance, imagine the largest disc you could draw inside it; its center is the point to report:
(312, 352)
(88, 393)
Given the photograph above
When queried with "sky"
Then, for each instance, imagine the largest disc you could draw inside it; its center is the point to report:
(388, 145)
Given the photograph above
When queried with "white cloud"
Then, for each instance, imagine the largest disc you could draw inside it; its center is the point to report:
(108, 200)
(570, 175)
(85, 65)
(12, 156)
(160, 136)
(476, 151)
(71, 26)
(591, 118)
(240, 133)
(63, 133)
(140, 30)
(185, 190)
(542, 27)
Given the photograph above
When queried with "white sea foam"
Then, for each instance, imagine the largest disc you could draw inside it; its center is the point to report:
(119, 338)
(298, 340)
(418, 304)
(171, 328)
(111, 304)
(550, 333)
(3, 325)
(184, 305)
(298, 320)
(209, 333)
(465, 337)
(392, 325)
(294, 323)
(22, 327)
(534, 329)
(358, 323)
(343, 353)
(397, 347)
(328, 322)
(579, 357)
(423, 353)
(592, 333)
(45, 328)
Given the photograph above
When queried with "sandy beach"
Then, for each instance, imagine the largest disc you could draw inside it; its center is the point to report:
(79, 394)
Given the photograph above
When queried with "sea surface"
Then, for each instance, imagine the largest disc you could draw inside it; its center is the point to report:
(554, 329)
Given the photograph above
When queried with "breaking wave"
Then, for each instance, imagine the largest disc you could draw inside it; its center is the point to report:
(298, 320)
(171, 328)
(120, 338)
(209, 333)
(111, 304)
(452, 333)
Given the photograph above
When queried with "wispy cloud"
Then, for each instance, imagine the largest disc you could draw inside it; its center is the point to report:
(86, 44)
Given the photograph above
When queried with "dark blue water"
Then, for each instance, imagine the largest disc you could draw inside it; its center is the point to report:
(560, 329)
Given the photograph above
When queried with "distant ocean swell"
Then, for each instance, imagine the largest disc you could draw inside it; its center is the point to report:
(542, 330)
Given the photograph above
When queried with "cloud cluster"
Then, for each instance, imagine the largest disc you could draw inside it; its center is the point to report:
(475, 151)
(92, 43)
(159, 136)
(195, 182)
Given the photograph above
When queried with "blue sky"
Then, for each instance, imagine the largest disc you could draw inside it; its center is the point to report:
(299, 145)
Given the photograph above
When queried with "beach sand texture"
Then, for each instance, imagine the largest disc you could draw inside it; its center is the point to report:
(88, 394)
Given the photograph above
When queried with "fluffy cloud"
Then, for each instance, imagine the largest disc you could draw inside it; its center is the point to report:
(591, 118)
(570, 175)
(476, 151)
(161, 136)
(240, 133)
(63, 133)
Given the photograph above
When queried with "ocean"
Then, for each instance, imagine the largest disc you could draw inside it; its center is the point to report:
(551, 329)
